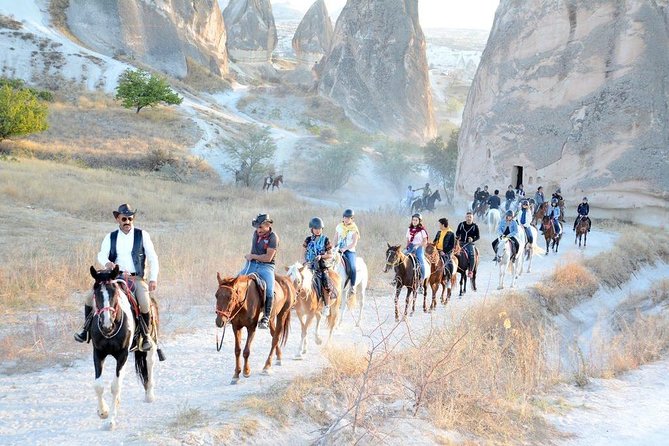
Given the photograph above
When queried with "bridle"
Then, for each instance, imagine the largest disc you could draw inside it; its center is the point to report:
(224, 314)
(398, 259)
(113, 310)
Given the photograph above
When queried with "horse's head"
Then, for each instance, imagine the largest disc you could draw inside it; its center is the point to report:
(298, 275)
(106, 295)
(230, 296)
(436, 195)
(502, 245)
(394, 256)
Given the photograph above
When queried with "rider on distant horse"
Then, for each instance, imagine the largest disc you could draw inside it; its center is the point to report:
(409, 196)
(347, 238)
(554, 215)
(507, 227)
(468, 233)
(445, 241)
(477, 196)
(416, 241)
(318, 249)
(494, 201)
(525, 218)
(539, 197)
(520, 192)
(583, 211)
(557, 195)
(426, 194)
(510, 196)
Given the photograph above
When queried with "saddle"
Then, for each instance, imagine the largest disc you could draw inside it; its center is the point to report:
(128, 287)
(416, 267)
(321, 286)
(261, 285)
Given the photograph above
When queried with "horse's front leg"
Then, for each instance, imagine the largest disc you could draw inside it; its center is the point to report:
(317, 336)
(414, 297)
(585, 239)
(116, 386)
(398, 290)
(502, 270)
(251, 332)
(98, 362)
(360, 305)
(304, 324)
(149, 395)
(276, 333)
(238, 352)
(424, 282)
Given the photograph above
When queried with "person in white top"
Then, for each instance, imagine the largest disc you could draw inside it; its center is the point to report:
(130, 248)
(417, 239)
(346, 239)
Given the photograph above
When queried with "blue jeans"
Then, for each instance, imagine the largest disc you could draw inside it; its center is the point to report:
(419, 251)
(350, 258)
(528, 235)
(266, 273)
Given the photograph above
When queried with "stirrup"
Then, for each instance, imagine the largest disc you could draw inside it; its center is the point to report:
(83, 336)
(146, 344)
(264, 323)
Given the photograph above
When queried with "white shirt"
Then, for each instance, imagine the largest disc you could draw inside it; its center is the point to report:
(344, 243)
(124, 244)
(418, 238)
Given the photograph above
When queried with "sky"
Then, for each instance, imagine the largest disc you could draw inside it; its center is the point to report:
(472, 14)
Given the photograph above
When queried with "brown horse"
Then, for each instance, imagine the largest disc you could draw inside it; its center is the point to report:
(267, 182)
(481, 209)
(582, 232)
(407, 274)
(240, 302)
(277, 182)
(549, 234)
(309, 305)
(539, 214)
(440, 276)
(465, 265)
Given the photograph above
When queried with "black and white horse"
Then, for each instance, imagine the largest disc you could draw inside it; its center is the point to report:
(112, 330)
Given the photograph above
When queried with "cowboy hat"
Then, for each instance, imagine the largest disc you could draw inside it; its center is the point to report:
(260, 219)
(125, 209)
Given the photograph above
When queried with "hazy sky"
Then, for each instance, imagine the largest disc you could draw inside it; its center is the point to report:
(477, 14)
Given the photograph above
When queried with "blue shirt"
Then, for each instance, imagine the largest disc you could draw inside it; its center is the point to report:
(512, 225)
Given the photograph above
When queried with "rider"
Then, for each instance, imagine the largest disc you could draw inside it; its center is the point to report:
(520, 191)
(583, 211)
(525, 218)
(318, 249)
(129, 248)
(346, 240)
(507, 228)
(539, 197)
(554, 215)
(260, 260)
(510, 196)
(485, 194)
(557, 194)
(467, 234)
(494, 201)
(445, 241)
(426, 194)
(409, 196)
(477, 198)
(416, 242)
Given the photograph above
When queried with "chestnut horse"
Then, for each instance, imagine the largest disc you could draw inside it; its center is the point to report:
(582, 232)
(440, 275)
(464, 264)
(309, 305)
(277, 182)
(539, 214)
(549, 233)
(407, 274)
(240, 302)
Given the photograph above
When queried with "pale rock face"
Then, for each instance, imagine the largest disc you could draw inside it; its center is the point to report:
(576, 93)
(377, 71)
(251, 30)
(159, 33)
(314, 34)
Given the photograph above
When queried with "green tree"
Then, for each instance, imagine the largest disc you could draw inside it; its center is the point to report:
(21, 112)
(137, 89)
(441, 161)
(334, 165)
(395, 164)
(251, 157)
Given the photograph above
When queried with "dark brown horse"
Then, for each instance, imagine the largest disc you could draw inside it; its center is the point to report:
(582, 232)
(240, 302)
(539, 214)
(277, 182)
(549, 234)
(481, 209)
(267, 182)
(407, 274)
(440, 276)
(465, 264)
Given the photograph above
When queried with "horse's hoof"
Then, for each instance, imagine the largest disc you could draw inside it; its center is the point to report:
(397, 319)
(150, 397)
(234, 381)
(110, 425)
(500, 287)
(298, 357)
(319, 341)
(278, 362)
(246, 374)
(103, 414)
(267, 371)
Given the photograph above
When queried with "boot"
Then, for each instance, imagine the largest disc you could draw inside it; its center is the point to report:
(264, 322)
(144, 324)
(84, 334)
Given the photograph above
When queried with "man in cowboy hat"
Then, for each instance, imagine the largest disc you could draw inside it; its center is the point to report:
(129, 248)
(261, 260)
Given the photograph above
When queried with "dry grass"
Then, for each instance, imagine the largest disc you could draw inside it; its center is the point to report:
(58, 12)
(202, 79)
(188, 418)
(10, 23)
(568, 285)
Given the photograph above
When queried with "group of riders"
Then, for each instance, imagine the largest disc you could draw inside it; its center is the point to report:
(410, 196)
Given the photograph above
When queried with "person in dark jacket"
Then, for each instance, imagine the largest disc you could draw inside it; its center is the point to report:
(445, 241)
(583, 211)
(495, 202)
(467, 234)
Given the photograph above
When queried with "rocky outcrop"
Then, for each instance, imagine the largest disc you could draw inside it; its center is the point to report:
(577, 94)
(314, 34)
(165, 34)
(377, 70)
(251, 30)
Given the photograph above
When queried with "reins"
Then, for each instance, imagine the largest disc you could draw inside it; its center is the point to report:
(113, 310)
(219, 346)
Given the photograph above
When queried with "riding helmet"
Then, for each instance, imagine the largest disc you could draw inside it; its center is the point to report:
(554, 201)
(585, 198)
(348, 213)
(418, 216)
(316, 223)
(509, 214)
(524, 203)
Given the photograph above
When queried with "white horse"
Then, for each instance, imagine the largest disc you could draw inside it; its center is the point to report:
(362, 277)
(493, 218)
(504, 260)
(528, 250)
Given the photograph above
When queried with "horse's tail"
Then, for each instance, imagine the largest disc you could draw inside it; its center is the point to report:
(142, 367)
(286, 329)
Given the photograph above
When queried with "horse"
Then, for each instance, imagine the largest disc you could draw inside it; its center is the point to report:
(463, 264)
(276, 182)
(549, 233)
(267, 182)
(540, 212)
(440, 275)
(481, 210)
(407, 274)
(503, 258)
(418, 204)
(582, 232)
(361, 280)
(493, 219)
(527, 249)
(239, 301)
(112, 331)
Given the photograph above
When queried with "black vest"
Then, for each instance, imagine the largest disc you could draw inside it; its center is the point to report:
(138, 256)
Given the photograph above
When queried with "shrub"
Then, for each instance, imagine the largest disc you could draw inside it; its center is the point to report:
(21, 112)
(339, 161)
(251, 156)
(138, 89)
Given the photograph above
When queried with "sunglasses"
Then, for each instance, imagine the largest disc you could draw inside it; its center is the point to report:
(124, 219)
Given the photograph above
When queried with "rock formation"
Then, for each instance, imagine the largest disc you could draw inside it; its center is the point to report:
(377, 70)
(313, 35)
(161, 33)
(574, 94)
(251, 30)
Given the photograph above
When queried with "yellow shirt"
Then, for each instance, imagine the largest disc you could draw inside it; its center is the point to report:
(442, 236)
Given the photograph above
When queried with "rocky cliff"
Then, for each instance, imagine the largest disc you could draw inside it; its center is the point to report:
(161, 33)
(575, 93)
(314, 34)
(377, 70)
(251, 30)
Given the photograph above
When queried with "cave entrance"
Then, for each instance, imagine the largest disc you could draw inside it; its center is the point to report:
(517, 176)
